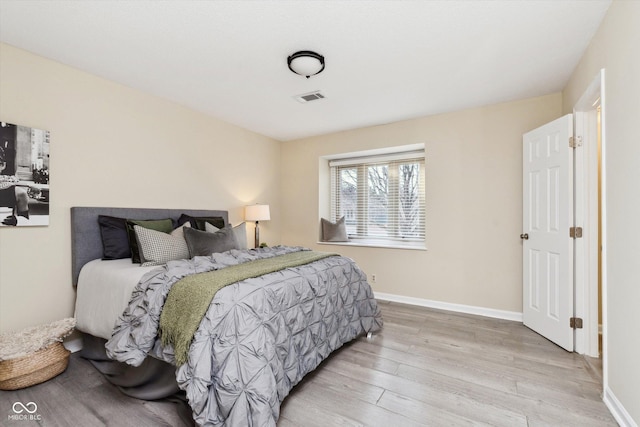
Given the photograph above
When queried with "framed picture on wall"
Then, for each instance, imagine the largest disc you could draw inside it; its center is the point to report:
(24, 176)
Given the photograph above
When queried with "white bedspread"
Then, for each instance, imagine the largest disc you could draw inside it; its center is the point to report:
(104, 290)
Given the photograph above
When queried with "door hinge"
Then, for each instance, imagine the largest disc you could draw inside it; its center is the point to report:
(575, 141)
(575, 323)
(575, 232)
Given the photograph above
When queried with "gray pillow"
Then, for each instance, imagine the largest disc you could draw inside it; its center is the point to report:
(334, 232)
(201, 243)
(241, 235)
(240, 230)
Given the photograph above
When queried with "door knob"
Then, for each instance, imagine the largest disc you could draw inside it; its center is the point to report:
(524, 236)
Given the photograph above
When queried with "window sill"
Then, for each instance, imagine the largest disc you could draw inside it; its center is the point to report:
(373, 244)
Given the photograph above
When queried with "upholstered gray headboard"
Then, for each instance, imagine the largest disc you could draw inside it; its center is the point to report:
(86, 241)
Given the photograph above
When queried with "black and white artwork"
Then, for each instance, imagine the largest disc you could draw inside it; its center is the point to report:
(24, 176)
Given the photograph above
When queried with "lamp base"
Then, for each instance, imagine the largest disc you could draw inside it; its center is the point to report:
(257, 242)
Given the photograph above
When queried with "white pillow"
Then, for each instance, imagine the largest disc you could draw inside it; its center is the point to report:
(239, 230)
(210, 228)
(156, 247)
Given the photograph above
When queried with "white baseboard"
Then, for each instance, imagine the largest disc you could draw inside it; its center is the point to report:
(460, 308)
(617, 410)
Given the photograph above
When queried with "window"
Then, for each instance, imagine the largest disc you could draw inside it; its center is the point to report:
(382, 197)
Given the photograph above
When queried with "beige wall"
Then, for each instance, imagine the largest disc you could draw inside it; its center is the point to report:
(474, 202)
(616, 48)
(115, 146)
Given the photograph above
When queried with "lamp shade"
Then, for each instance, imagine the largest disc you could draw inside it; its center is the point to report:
(257, 213)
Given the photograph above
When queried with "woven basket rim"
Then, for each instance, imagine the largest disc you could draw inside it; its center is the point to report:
(34, 368)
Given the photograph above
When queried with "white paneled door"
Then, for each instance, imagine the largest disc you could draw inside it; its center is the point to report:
(547, 217)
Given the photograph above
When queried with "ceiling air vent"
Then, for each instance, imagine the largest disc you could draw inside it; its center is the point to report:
(308, 97)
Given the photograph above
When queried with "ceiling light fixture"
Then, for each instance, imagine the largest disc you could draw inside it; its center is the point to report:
(306, 63)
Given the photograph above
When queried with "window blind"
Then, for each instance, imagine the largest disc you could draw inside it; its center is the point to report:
(381, 197)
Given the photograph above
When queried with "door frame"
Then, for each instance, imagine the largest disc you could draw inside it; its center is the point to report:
(586, 216)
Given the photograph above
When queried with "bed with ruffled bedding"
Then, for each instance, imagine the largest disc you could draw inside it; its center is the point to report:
(273, 316)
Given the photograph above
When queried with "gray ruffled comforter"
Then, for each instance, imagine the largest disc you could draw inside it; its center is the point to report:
(259, 336)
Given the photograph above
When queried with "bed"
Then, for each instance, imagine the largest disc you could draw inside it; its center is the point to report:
(278, 313)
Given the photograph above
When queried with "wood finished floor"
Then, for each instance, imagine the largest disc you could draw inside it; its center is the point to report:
(426, 368)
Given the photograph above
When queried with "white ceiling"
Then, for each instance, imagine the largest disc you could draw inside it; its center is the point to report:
(385, 60)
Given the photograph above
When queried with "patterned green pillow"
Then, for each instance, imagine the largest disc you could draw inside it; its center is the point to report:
(163, 225)
(156, 247)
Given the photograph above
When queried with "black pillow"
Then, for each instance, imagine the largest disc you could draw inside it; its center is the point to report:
(164, 225)
(115, 241)
(198, 222)
(202, 243)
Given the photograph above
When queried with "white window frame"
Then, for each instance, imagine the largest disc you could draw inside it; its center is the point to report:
(362, 160)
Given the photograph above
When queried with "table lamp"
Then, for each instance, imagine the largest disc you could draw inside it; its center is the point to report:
(257, 213)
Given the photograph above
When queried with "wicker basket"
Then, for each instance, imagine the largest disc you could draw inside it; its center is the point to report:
(33, 368)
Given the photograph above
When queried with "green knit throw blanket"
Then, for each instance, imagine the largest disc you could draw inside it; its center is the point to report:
(190, 297)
